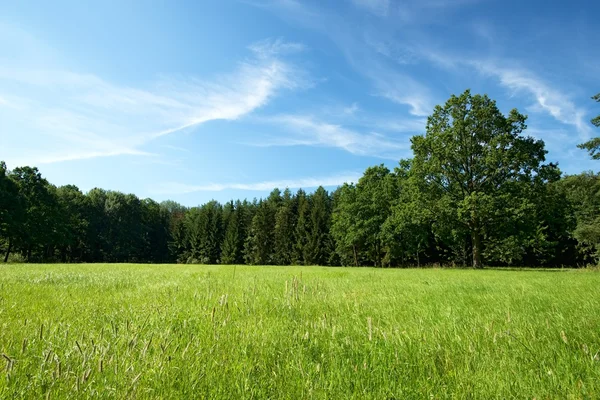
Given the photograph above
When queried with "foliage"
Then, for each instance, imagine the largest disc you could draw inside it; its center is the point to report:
(477, 191)
(475, 171)
(583, 196)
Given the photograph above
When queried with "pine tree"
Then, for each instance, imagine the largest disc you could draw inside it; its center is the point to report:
(317, 249)
(231, 250)
(284, 230)
(212, 226)
(301, 228)
(260, 241)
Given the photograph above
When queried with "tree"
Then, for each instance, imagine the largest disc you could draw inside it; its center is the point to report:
(360, 214)
(552, 218)
(232, 243)
(284, 230)
(317, 248)
(97, 238)
(583, 194)
(37, 234)
(407, 229)
(593, 145)
(74, 208)
(213, 229)
(155, 223)
(175, 215)
(125, 229)
(470, 164)
(345, 228)
(301, 228)
(376, 190)
(12, 212)
(178, 244)
(204, 230)
(260, 241)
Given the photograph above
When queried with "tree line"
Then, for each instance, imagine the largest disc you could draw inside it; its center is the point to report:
(476, 191)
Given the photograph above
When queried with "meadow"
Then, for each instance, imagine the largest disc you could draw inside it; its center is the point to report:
(242, 332)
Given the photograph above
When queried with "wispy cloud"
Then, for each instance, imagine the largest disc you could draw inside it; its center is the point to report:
(174, 188)
(268, 48)
(404, 90)
(548, 99)
(78, 116)
(399, 52)
(367, 58)
(310, 131)
(377, 7)
(518, 80)
(384, 54)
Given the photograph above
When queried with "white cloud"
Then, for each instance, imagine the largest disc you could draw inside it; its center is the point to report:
(364, 51)
(69, 156)
(548, 99)
(334, 180)
(380, 53)
(310, 131)
(67, 116)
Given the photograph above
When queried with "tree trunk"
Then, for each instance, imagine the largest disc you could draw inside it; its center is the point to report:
(8, 250)
(476, 238)
(355, 256)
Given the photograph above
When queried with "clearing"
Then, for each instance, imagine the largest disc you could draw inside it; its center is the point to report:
(181, 331)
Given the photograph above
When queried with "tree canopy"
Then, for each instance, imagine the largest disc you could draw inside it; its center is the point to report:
(477, 191)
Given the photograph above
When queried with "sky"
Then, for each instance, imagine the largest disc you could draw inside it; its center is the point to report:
(200, 100)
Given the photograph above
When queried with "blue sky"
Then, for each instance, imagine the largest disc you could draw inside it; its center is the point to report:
(200, 100)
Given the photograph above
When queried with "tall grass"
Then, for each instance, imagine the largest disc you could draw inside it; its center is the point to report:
(140, 331)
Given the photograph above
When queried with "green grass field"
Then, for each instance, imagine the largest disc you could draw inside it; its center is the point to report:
(170, 331)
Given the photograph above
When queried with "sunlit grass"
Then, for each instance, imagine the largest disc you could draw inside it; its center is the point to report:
(148, 331)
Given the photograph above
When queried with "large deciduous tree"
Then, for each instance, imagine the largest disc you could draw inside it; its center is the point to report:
(471, 163)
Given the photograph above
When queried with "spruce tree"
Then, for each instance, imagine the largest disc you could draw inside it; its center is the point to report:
(301, 228)
(231, 250)
(284, 230)
(318, 245)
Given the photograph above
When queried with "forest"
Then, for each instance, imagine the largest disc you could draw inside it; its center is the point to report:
(477, 192)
